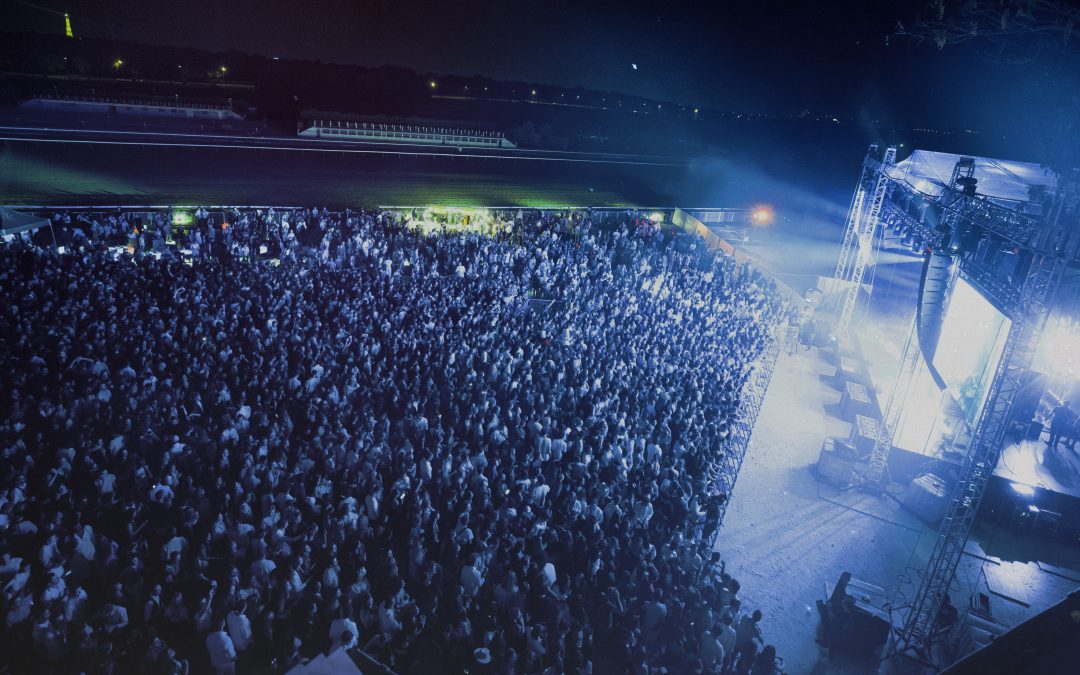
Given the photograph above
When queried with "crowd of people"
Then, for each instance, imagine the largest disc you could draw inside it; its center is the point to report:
(269, 435)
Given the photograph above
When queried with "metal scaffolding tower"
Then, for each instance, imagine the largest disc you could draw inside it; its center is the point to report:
(1038, 290)
(862, 225)
(843, 263)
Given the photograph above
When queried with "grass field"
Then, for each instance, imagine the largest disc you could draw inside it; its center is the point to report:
(69, 174)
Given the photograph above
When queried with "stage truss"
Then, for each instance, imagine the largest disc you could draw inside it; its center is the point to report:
(1029, 317)
(861, 232)
(979, 234)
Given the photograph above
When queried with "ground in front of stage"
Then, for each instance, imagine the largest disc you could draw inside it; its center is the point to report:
(788, 536)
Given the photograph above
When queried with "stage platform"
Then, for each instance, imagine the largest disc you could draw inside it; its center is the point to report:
(1036, 464)
(1037, 488)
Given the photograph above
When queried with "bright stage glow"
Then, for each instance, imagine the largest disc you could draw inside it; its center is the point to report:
(656, 217)
(1058, 353)
(922, 424)
(1022, 489)
(436, 219)
(761, 215)
(972, 339)
(182, 218)
(925, 187)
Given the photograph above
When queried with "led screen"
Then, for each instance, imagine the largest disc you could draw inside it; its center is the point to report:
(972, 338)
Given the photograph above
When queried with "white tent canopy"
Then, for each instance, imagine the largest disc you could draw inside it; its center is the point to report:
(12, 222)
(929, 172)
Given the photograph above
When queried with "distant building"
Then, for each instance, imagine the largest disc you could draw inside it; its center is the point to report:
(133, 107)
(376, 132)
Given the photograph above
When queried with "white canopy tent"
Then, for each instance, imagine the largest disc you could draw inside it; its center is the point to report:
(13, 222)
(1000, 180)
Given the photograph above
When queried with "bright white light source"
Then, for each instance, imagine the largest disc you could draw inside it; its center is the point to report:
(973, 336)
(1058, 352)
(1022, 489)
(926, 187)
(634, 66)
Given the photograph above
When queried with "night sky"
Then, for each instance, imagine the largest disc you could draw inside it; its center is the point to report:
(752, 56)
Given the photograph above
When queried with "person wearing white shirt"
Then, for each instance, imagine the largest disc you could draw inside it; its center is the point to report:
(471, 579)
(19, 608)
(712, 652)
(222, 651)
(726, 638)
(239, 627)
(388, 623)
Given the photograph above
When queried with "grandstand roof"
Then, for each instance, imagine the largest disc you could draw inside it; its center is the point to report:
(929, 172)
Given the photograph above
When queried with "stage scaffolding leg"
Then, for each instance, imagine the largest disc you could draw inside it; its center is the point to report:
(917, 635)
(873, 475)
(864, 241)
(843, 263)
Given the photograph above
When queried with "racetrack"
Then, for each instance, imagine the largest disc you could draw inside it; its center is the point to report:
(72, 169)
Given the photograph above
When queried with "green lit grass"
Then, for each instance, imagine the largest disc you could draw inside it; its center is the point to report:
(99, 175)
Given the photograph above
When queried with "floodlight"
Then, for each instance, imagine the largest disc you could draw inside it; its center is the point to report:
(761, 215)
